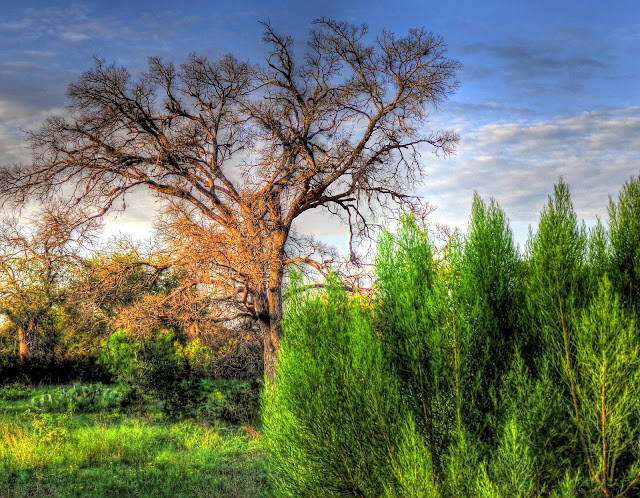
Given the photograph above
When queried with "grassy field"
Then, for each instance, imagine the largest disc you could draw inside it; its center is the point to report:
(109, 453)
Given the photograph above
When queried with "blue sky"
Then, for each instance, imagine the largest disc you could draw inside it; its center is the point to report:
(548, 88)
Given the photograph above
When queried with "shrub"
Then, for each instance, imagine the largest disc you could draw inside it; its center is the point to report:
(231, 401)
(424, 391)
(334, 422)
(147, 366)
(79, 398)
(488, 297)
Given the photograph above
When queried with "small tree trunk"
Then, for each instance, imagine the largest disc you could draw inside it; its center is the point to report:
(27, 339)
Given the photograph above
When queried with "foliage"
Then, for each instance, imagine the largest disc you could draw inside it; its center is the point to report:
(556, 276)
(488, 298)
(160, 366)
(152, 365)
(608, 385)
(483, 372)
(37, 261)
(412, 323)
(234, 402)
(141, 362)
(16, 391)
(224, 354)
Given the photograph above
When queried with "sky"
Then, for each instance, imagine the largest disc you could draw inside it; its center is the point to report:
(547, 88)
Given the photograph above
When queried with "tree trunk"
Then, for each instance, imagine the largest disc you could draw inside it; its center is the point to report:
(27, 340)
(271, 333)
(271, 327)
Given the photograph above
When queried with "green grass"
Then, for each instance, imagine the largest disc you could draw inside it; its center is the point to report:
(114, 454)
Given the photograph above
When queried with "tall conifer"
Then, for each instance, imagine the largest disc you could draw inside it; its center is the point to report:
(608, 386)
(557, 255)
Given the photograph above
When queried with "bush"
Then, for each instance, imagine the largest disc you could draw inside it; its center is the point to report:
(226, 354)
(146, 366)
(142, 362)
(160, 366)
(79, 398)
(425, 391)
(231, 401)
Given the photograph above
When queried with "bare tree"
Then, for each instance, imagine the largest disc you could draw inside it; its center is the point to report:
(239, 152)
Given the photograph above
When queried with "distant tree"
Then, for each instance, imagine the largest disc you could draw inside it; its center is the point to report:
(238, 152)
(108, 284)
(37, 263)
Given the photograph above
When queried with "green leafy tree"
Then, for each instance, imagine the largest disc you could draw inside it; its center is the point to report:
(412, 319)
(536, 439)
(557, 290)
(334, 420)
(317, 427)
(556, 283)
(598, 258)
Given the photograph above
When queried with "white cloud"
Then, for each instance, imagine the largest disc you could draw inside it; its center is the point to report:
(73, 36)
(14, 119)
(517, 163)
(38, 53)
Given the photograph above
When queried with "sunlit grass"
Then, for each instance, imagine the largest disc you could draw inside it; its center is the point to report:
(112, 454)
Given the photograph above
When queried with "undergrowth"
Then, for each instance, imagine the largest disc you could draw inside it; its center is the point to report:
(86, 452)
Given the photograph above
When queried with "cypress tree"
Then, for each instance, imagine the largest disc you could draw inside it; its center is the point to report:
(536, 438)
(462, 458)
(598, 258)
(556, 283)
(607, 376)
(624, 230)
(334, 420)
(489, 297)
(411, 319)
